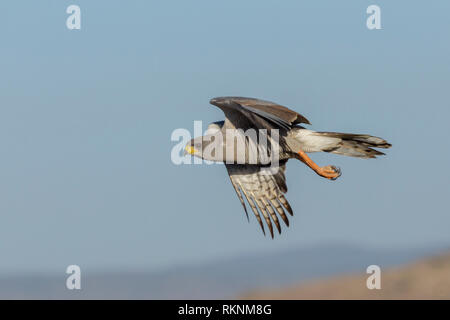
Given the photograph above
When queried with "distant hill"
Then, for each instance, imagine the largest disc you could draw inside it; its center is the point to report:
(427, 279)
(226, 278)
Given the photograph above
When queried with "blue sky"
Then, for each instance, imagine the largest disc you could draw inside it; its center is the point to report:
(86, 118)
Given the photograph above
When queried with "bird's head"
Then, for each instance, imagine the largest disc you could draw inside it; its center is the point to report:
(194, 147)
(207, 147)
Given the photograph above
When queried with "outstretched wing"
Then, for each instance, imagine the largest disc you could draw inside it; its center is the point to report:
(263, 188)
(257, 113)
(271, 111)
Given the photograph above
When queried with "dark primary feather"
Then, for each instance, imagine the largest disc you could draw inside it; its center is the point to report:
(238, 192)
(270, 117)
(278, 115)
(264, 192)
(271, 110)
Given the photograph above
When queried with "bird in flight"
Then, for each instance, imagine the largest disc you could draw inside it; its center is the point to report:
(263, 185)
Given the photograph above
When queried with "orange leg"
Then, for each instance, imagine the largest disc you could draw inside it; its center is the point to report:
(329, 172)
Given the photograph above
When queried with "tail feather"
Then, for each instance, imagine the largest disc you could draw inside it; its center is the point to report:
(356, 145)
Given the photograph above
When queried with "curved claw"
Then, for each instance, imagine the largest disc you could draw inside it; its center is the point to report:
(338, 171)
(330, 172)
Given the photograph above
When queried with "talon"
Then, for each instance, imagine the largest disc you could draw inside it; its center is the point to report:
(331, 172)
(338, 171)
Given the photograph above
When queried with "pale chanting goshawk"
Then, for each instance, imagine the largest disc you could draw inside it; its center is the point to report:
(258, 183)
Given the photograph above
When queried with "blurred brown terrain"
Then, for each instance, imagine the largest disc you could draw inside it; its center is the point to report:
(426, 279)
(225, 278)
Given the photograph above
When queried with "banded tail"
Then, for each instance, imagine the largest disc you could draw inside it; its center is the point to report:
(354, 145)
